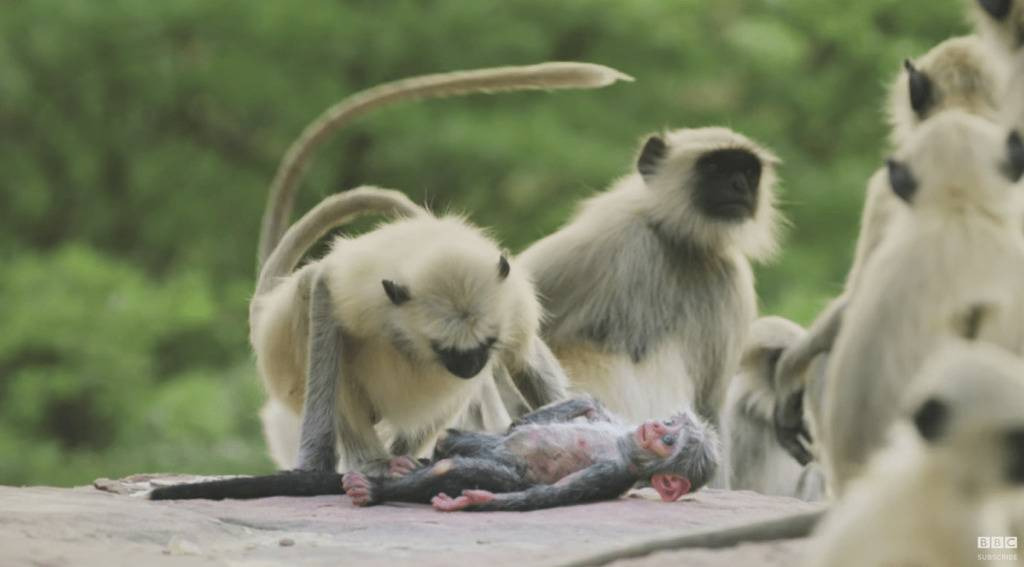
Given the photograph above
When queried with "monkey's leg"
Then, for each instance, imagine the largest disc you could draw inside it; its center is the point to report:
(601, 481)
(320, 423)
(540, 377)
(447, 475)
(561, 412)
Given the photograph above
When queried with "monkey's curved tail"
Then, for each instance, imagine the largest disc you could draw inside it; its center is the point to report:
(286, 483)
(788, 527)
(548, 76)
(333, 211)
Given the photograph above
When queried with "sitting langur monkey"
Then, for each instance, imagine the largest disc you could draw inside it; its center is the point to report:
(281, 414)
(756, 459)
(958, 241)
(567, 453)
(949, 475)
(956, 74)
(649, 288)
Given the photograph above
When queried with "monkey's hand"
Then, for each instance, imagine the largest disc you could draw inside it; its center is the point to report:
(402, 465)
(469, 498)
(790, 430)
(358, 488)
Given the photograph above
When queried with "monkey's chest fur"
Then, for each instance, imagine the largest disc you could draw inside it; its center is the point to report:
(650, 324)
(551, 452)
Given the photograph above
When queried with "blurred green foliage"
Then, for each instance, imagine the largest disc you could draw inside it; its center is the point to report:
(137, 141)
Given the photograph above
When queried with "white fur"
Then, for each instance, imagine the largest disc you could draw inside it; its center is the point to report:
(959, 245)
(926, 503)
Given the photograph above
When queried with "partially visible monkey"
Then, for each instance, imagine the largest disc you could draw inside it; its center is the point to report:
(939, 484)
(1002, 23)
(649, 287)
(280, 416)
(756, 460)
(956, 74)
(567, 453)
(958, 242)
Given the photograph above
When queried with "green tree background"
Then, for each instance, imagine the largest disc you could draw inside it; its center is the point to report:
(137, 141)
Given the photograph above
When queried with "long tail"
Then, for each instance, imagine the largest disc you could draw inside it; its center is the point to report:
(788, 527)
(333, 211)
(288, 483)
(549, 76)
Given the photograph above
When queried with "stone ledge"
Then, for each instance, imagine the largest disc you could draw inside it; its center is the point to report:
(86, 526)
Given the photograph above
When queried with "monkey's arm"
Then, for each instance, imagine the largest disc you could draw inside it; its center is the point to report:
(539, 377)
(601, 481)
(560, 412)
(791, 381)
(320, 423)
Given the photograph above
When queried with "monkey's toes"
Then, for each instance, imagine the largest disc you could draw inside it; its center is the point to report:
(357, 487)
(446, 503)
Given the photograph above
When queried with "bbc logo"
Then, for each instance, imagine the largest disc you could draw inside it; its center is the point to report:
(997, 542)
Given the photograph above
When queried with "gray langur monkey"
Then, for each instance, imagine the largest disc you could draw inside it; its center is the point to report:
(949, 475)
(958, 73)
(391, 327)
(756, 459)
(649, 287)
(955, 252)
(281, 421)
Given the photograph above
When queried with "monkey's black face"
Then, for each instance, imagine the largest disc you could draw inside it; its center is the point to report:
(465, 363)
(727, 184)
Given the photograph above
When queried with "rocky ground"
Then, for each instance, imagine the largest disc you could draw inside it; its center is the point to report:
(114, 525)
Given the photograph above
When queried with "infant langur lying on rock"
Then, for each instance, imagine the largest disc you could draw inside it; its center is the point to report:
(565, 453)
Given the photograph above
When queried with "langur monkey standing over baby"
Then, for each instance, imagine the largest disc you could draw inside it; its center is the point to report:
(954, 252)
(958, 73)
(440, 311)
(649, 288)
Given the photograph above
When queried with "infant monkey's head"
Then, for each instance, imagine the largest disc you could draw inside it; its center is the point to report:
(679, 454)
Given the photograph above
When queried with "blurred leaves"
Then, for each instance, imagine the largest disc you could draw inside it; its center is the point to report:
(137, 140)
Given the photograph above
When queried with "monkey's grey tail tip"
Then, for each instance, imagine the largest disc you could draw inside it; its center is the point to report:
(571, 74)
(788, 527)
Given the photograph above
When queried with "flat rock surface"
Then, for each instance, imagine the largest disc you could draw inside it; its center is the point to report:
(87, 526)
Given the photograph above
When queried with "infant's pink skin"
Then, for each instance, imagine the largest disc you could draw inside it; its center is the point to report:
(402, 465)
(446, 503)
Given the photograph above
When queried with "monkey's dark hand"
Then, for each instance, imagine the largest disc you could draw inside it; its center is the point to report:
(789, 427)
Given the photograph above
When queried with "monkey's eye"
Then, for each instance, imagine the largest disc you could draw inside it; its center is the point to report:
(668, 440)
(669, 422)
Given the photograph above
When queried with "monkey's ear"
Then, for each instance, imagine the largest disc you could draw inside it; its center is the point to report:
(503, 267)
(998, 9)
(397, 293)
(1015, 157)
(670, 486)
(920, 88)
(931, 419)
(901, 179)
(651, 156)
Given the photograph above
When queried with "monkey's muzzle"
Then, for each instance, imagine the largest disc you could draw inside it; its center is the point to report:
(464, 363)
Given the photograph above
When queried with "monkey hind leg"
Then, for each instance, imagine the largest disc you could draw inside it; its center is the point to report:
(449, 476)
